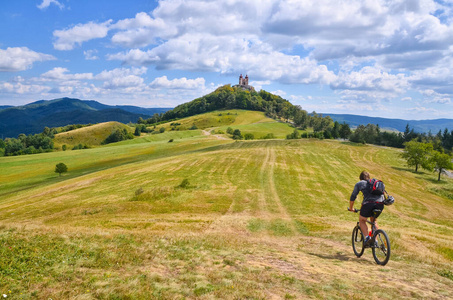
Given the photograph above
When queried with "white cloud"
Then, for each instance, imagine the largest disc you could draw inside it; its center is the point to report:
(228, 55)
(61, 74)
(371, 79)
(20, 58)
(46, 3)
(433, 97)
(67, 39)
(122, 78)
(22, 88)
(177, 83)
(91, 54)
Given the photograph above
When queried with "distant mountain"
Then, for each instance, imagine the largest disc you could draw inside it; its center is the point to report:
(33, 117)
(395, 124)
(5, 106)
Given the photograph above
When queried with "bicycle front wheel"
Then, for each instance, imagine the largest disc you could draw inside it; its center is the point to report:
(357, 241)
(381, 248)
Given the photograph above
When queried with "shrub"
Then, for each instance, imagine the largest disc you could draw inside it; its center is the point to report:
(193, 127)
(237, 135)
(161, 130)
(170, 141)
(184, 183)
(249, 136)
(229, 130)
(293, 136)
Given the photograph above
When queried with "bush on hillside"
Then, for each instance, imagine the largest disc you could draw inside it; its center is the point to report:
(184, 184)
(117, 136)
(249, 136)
(293, 136)
(237, 135)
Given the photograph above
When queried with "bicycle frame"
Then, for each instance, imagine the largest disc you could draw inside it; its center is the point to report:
(379, 242)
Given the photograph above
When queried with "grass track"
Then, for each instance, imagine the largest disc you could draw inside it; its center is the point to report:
(260, 219)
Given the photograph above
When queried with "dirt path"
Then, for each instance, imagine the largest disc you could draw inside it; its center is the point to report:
(208, 132)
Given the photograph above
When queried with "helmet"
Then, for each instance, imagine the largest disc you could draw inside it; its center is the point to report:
(389, 200)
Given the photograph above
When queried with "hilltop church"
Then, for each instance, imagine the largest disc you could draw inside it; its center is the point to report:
(244, 83)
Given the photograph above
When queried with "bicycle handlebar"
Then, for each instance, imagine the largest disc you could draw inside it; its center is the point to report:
(355, 210)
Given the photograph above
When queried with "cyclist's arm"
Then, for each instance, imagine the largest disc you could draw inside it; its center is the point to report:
(351, 206)
(354, 194)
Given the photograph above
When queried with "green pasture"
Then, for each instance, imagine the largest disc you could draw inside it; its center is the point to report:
(209, 218)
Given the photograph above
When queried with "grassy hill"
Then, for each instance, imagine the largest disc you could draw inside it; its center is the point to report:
(91, 136)
(247, 121)
(259, 219)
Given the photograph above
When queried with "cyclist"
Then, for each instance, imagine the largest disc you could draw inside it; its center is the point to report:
(369, 203)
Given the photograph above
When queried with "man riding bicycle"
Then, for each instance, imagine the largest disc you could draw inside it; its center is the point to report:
(369, 203)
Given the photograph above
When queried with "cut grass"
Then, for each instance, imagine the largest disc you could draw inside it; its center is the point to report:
(259, 219)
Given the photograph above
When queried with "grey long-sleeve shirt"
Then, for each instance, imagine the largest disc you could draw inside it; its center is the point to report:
(361, 186)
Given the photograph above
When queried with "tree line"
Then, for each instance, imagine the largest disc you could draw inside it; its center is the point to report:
(28, 144)
(372, 134)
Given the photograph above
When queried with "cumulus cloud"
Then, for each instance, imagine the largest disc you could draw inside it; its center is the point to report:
(177, 83)
(196, 52)
(60, 74)
(22, 88)
(365, 51)
(20, 58)
(46, 3)
(371, 79)
(67, 39)
(122, 78)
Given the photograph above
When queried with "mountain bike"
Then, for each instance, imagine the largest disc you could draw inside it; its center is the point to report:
(379, 241)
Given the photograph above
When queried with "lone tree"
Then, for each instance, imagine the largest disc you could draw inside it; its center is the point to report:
(61, 168)
(417, 154)
(441, 162)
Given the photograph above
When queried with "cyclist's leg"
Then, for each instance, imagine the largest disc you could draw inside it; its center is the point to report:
(366, 211)
(372, 219)
(363, 225)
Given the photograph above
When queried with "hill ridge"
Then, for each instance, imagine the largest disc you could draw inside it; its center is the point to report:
(33, 117)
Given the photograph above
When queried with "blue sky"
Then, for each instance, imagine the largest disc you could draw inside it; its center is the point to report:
(377, 58)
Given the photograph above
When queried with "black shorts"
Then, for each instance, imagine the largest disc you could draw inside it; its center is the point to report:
(367, 209)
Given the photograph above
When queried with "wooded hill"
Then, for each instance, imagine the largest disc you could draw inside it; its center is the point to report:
(227, 97)
(34, 117)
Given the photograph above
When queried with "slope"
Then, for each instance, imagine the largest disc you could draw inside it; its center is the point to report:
(90, 136)
(247, 121)
(259, 219)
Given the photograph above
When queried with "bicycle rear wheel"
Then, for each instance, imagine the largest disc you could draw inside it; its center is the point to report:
(381, 249)
(357, 241)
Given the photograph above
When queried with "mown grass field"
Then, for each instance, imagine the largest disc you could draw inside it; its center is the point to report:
(262, 219)
(91, 136)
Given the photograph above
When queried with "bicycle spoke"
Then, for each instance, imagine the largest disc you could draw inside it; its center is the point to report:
(381, 251)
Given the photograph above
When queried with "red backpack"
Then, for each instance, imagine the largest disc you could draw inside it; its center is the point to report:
(376, 186)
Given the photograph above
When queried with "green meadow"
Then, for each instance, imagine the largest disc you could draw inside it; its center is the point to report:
(206, 217)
